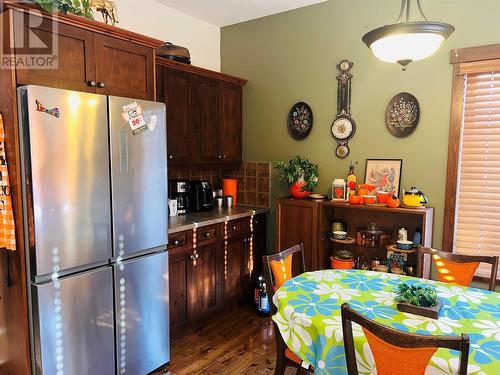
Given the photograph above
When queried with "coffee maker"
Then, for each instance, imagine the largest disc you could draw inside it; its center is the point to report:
(179, 190)
(200, 196)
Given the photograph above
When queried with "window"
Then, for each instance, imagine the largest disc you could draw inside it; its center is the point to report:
(472, 212)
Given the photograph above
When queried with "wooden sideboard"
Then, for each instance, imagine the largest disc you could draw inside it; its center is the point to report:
(309, 221)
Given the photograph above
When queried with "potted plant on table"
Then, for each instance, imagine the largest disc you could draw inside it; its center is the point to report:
(418, 299)
(300, 174)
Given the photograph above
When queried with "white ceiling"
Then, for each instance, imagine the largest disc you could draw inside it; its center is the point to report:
(228, 12)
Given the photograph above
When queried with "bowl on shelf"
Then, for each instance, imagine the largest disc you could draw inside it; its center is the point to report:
(355, 199)
(369, 199)
(404, 245)
(380, 268)
(339, 235)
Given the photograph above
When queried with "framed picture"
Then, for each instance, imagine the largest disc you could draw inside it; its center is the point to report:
(385, 174)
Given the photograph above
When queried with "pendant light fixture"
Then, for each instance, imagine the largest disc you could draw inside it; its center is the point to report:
(405, 41)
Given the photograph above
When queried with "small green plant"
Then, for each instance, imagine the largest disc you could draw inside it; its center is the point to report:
(78, 7)
(296, 169)
(423, 296)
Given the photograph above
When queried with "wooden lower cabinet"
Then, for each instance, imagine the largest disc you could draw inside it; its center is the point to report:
(234, 263)
(201, 280)
(214, 274)
(297, 222)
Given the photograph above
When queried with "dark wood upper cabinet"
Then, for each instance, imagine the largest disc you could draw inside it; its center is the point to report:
(204, 114)
(74, 65)
(123, 68)
(231, 123)
(174, 89)
(85, 59)
(206, 121)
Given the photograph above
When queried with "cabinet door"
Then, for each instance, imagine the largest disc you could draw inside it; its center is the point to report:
(207, 137)
(124, 68)
(231, 123)
(74, 63)
(234, 260)
(296, 222)
(259, 242)
(177, 271)
(201, 280)
(177, 91)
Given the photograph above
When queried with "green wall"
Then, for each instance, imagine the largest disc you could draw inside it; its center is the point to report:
(291, 57)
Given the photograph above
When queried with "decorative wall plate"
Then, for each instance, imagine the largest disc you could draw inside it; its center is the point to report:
(300, 120)
(402, 115)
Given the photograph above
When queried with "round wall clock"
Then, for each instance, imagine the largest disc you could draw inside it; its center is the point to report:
(402, 115)
(300, 120)
(343, 127)
(342, 151)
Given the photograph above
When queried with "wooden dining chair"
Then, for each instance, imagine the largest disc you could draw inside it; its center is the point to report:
(455, 268)
(397, 352)
(277, 269)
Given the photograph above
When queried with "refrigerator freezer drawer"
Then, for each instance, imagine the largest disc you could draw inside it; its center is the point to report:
(73, 325)
(138, 177)
(142, 322)
(65, 150)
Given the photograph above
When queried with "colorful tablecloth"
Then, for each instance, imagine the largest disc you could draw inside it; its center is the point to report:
(309, 320)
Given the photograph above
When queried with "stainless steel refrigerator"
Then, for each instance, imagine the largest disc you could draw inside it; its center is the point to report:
(95, 214)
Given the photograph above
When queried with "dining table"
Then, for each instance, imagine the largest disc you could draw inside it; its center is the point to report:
(309, 320)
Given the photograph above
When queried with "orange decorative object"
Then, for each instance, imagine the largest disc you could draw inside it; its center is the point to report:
(229, 187)
(296, 190)
(455, 273)
(282, 270)
(341, 264)
(382, 197)
(355, 199)
(369, 199)
(393, 201)
(409, 361)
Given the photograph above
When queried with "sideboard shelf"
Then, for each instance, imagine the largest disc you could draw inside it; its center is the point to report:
(309, 221)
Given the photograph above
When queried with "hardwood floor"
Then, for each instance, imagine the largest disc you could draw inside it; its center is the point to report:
(236, 343)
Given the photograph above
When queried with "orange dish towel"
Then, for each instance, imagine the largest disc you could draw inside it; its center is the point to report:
(7, 226)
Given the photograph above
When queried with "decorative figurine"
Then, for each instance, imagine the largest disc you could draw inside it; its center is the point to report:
(107, 9)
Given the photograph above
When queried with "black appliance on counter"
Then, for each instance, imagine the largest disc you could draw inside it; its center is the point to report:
(200, 196)
(179, 190)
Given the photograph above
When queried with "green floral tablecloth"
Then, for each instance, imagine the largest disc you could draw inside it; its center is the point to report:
(309, 320)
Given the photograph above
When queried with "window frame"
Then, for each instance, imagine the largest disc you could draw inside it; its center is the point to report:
(459, 58)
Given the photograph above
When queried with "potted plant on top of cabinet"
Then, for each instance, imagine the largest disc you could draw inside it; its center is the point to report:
(300, 174)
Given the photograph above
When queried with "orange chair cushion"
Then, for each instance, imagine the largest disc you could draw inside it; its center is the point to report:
(282, 270)
(292, 356)
(393, 360)
(453, 272)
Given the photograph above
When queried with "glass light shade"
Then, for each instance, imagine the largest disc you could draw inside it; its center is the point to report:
(408, 41)
(413, 47)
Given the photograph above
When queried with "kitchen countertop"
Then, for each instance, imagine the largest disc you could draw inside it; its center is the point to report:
(217, 215)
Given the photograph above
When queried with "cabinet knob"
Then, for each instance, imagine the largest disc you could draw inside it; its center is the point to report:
(234, 227)
(170, 156)
(207, 234)
(91, 83)
(176, 242)
(100, 85)
(223, 156)
(219, 157)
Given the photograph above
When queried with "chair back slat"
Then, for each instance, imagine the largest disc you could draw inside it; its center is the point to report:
(398, 339)
(282, 257)
(456, 268)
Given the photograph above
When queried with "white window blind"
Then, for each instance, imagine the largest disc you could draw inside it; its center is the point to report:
(477, 215)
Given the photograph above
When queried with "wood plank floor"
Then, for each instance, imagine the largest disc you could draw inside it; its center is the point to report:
(237, 342)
